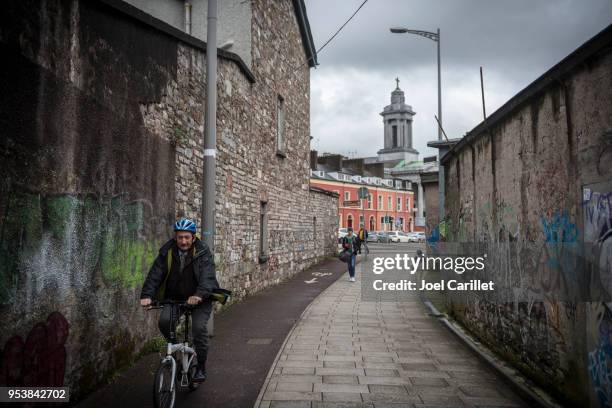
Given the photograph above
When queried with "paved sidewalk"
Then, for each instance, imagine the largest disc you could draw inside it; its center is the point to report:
(348, 353)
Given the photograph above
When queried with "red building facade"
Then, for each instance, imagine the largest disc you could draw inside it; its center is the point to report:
(387, 209)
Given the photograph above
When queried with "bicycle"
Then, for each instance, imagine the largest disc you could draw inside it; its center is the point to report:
(167, 375)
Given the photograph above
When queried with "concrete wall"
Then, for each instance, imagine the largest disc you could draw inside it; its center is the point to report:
(102, 119)
(533, 190)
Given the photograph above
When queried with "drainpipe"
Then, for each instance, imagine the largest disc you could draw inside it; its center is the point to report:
(188, 17)
(210, 137)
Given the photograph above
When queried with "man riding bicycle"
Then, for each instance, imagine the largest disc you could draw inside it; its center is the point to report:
(184, 270)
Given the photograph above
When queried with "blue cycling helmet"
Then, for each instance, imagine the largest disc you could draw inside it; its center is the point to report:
(185, 224)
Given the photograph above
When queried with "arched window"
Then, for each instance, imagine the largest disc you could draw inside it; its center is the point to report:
(349, 221)
(372, 223)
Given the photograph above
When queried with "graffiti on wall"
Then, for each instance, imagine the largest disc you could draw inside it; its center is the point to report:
(60, 241)
(597, 210)
(40, 360)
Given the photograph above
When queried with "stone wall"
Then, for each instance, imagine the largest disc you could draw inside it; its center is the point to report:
(432, 211)
(102, 119)
(532, 189)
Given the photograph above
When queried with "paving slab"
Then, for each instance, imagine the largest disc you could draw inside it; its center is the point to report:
(382, 354)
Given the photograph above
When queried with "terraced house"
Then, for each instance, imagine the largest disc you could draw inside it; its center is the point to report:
(102, 118)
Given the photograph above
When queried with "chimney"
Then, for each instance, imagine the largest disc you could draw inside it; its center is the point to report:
(313, 159)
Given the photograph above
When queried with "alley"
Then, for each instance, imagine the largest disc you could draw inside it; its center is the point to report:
(347, 352)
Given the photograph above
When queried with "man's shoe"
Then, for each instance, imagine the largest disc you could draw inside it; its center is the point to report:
(352, 279)
(199, 376)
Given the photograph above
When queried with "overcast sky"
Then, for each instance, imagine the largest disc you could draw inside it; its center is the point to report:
(515, 41)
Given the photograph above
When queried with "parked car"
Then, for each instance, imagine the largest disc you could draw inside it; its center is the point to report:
(412, 237)
(342, 232)
(372, 236)
(382, 236)
(404, 237)
(416, 237)
(397, 236)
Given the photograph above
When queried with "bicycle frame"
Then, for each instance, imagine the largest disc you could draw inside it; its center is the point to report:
(187, 353)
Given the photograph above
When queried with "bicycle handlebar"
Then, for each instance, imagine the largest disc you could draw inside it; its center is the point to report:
(160, 305)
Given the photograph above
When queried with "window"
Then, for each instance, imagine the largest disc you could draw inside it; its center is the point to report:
(394, 129)
(347, 195)
(379, 202)
(280, 126)
(389, 203)
(407, 204)
(361, 221)
(263, 232)
(399, 204)
(349, 221)
(369, 201)
(372, 226)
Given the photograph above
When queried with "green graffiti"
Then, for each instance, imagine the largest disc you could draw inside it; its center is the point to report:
(73, 234)
(20, 232)
(59, 209)
(125, 256)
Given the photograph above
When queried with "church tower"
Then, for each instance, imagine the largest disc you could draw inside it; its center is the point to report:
(397, 120)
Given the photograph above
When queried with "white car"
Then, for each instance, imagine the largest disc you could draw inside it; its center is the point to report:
(416, 237)
(397, 236)
(342, 232)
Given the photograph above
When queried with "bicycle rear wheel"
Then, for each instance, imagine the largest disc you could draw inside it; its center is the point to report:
(163, 393)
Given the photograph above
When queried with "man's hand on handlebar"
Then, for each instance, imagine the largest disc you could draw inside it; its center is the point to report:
(194, 300)
(146, 302)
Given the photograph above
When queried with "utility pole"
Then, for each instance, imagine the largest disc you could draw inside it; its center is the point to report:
(439, 89)
(210, 137)
(484, 111)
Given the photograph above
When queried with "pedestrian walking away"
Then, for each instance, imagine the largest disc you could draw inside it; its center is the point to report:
(350, 243)
(362, 237)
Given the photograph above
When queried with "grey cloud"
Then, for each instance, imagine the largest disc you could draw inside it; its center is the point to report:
(507, 34)
(514, 40)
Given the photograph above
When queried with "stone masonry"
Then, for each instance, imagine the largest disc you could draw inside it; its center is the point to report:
(102, 121)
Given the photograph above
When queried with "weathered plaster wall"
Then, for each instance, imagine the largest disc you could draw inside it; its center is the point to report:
(533, 191)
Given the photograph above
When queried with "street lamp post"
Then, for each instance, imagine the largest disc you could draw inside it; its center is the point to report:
(434, 37)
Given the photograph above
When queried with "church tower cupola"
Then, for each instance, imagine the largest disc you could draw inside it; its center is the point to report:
(397, 120)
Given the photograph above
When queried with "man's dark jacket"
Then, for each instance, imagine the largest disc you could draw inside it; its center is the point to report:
(203, 269)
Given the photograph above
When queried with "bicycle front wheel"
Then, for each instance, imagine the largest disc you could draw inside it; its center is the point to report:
(164, 393)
